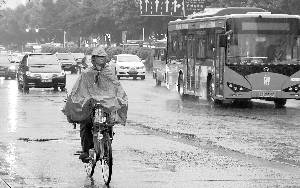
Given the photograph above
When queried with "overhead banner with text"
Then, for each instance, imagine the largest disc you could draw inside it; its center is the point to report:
(176, 8)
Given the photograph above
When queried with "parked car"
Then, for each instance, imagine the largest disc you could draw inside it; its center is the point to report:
(40, 70)
(8, 69)
(128, 65)
(67, 62)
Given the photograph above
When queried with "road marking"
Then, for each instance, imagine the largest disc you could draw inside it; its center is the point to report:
(3, 184)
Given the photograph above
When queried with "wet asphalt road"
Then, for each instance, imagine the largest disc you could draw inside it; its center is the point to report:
(168, 142)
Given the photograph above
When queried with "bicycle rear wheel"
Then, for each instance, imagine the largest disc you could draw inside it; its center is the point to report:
(90, 168)
(107, 162)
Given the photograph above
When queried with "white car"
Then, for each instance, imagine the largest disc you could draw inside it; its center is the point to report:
(128, 65)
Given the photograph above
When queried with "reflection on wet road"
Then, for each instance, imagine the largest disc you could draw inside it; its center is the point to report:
(168, 142)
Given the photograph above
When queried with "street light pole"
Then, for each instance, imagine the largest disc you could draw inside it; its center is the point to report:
(64, 38)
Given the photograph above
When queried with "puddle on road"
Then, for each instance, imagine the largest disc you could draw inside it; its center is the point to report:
(38, 140)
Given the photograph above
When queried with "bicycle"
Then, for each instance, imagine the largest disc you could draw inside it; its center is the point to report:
(102, 151)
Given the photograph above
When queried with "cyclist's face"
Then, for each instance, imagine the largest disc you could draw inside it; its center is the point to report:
(98, 62)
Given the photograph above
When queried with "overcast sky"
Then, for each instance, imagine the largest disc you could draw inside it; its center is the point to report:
(14, 3)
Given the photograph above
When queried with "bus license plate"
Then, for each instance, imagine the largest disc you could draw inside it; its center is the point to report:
(267, 94)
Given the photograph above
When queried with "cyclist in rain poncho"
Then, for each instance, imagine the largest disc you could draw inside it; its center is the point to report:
(97, 84)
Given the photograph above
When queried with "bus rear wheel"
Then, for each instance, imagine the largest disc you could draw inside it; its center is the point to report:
(279, 103)
(180, 88)
(209, 90)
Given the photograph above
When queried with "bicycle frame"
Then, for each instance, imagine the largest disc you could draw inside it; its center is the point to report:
(102, 136)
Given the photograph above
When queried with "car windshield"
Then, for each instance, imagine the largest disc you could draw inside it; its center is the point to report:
(65, 57)
(42, 60)
(128, 58)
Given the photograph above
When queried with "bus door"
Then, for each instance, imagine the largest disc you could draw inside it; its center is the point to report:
(190, 77)
(219, 66)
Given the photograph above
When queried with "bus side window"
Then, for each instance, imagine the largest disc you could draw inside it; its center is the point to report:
(170, 46)
(210, 46)
(163, 54)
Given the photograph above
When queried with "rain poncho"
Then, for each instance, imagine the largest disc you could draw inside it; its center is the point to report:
(92, 87)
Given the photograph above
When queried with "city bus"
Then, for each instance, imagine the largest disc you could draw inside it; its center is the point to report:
(236, 54)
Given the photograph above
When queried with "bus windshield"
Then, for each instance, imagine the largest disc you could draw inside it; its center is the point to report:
(274, 43)
(272, 48)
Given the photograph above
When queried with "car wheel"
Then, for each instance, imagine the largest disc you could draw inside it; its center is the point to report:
(19, 86)
(55, 88)
(134, 77)
(279, 103)
(143, 77)
(119, 77)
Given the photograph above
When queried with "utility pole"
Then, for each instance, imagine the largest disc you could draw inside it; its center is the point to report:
(143, 34)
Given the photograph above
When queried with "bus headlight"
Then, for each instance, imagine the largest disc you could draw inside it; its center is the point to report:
(294, 88)
(237, 88)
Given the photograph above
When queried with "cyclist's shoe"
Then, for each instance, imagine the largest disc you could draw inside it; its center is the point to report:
(83, 155)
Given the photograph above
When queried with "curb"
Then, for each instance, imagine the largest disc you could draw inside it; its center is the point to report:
(3, 184)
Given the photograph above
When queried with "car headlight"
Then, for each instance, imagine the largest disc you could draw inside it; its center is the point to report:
(294, 88)
(142, 67)
(237, 88)
(123, 67)
(33, 75)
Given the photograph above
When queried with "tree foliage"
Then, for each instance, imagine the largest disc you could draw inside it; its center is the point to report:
(85, 18)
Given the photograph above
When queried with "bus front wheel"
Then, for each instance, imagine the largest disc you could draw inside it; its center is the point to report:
(279, 103)
(180, 88)
(210, 93)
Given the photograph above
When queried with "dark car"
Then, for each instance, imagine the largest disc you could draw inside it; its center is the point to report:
(40, 71)
(8, 69)
(67, 62)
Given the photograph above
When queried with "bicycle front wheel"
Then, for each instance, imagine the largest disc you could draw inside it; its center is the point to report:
(90, 168)
(107, 162)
